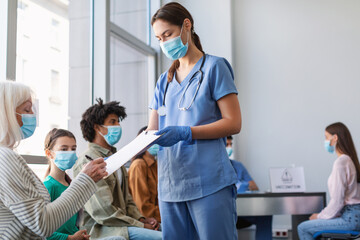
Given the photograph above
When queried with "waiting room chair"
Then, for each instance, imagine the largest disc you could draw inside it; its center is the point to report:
(336, 234)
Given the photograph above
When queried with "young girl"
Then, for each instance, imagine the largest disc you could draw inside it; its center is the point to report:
(343, 210)
(60, 149)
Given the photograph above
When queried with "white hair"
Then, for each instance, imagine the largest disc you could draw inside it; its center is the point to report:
(12, 95)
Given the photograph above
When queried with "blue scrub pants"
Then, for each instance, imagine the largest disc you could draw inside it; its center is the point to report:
(212, 217)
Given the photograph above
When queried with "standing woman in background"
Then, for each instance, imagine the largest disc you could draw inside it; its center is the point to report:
(343, 210)
(25, 208)
(195, 107)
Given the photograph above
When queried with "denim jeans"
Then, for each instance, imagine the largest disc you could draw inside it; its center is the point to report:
(349, 220)
(137, 233)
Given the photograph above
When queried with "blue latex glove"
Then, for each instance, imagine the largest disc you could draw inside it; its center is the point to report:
(242, 186)
(174, 134)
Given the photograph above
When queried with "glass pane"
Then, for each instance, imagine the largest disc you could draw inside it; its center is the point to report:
(130, 16)
(42, 62)
(39, 169)
(129, 84)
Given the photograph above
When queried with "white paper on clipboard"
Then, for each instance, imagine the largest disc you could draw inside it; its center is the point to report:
(143, 140)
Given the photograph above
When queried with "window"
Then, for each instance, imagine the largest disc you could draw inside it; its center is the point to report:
(132, 16)
(129, 84)
(132, 71)
(21, 5)
(39, 169)
(42, 62)
(22, 15)
(42, 68)
(55, 97)
(54, 33)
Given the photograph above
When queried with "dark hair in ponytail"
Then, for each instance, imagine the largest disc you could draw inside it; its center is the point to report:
(175, 14)
(50, 142)
(345, 143)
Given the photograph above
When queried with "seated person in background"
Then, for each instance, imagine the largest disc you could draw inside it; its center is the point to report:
(111, 211)
(229, 148)
(244, 180)
(60, 150)
(143, 180)
(343, 210)
(245, 183)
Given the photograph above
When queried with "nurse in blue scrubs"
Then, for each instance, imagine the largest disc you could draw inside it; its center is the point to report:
(194, 108)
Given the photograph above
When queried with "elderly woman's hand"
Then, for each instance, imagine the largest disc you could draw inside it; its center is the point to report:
(96, 169)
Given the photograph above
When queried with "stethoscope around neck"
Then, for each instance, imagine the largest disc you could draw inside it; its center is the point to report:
(162, 108)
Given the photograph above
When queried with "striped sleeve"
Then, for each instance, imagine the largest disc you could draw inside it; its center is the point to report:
(28, 201)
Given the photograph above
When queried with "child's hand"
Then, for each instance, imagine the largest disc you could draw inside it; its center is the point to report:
(79, 235)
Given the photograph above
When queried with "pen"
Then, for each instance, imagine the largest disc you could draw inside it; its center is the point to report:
(89, 158)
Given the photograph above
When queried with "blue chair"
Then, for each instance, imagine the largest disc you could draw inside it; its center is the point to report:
(336, 234)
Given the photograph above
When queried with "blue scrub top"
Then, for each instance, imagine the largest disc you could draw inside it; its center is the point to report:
(243, 176)
(188, 171)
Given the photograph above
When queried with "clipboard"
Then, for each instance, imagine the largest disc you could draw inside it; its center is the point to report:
(136, 146)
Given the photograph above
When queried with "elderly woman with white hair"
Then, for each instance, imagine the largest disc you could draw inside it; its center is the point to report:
(25, 208)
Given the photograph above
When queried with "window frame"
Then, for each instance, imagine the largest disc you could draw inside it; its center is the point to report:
(8, 21)
(100, 49)
(101, 30)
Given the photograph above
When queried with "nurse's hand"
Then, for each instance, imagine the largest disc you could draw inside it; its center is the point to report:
(173, 134)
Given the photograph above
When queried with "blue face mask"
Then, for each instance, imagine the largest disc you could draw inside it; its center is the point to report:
(154, 149)
(114, 134)
(29, 124)
(174, 48)
(328, 147)
(65, 159)
(229, 151)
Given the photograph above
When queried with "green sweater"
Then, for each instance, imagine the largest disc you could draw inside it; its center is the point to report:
(69, 228)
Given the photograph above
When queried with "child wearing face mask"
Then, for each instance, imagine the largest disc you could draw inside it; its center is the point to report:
(143, 180)
(60, 150)
(111, 211)
(343, 210)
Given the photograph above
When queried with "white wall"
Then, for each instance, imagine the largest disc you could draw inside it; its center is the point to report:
(297, 70)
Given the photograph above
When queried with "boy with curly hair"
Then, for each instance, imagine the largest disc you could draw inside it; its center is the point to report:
(111, 211)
